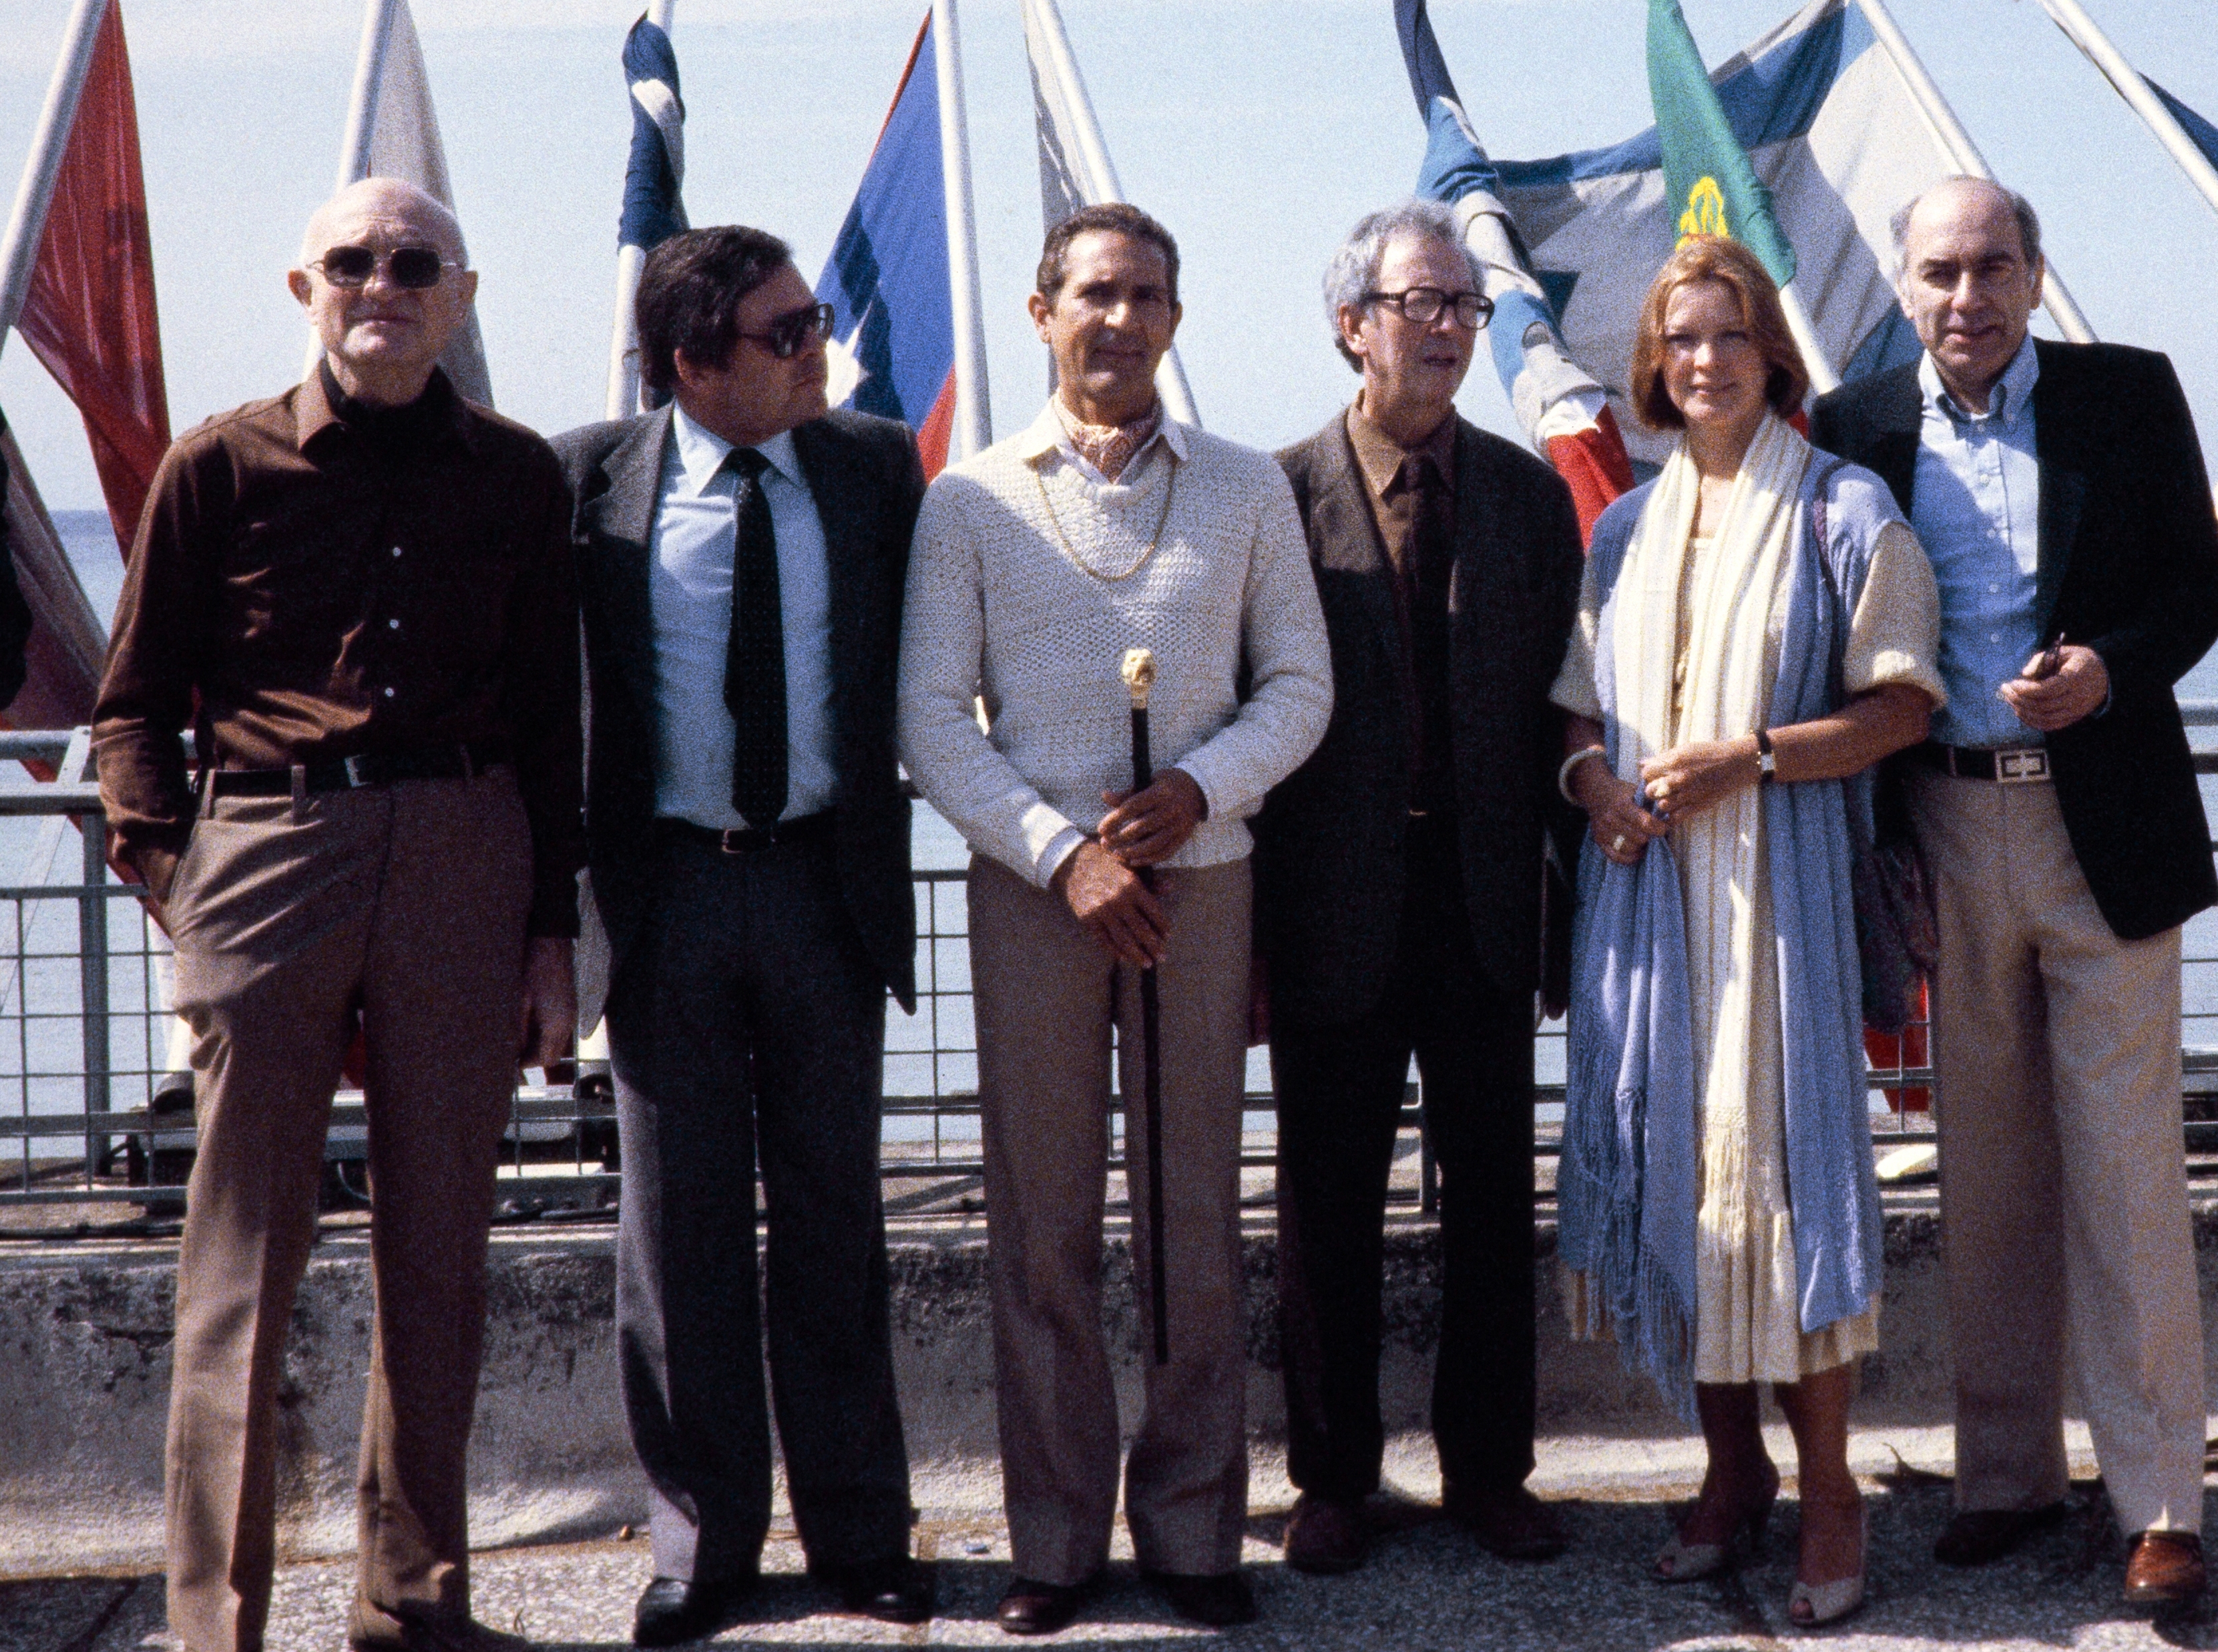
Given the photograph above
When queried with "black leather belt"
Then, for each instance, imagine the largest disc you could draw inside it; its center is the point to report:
(2011, 766)
(747, 840)
(454, 763)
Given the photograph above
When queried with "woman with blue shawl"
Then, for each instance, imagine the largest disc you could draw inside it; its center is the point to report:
(1758, 627)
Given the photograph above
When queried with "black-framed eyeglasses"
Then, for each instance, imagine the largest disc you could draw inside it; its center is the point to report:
(413, 267)
(1423, 305)
(788, 335)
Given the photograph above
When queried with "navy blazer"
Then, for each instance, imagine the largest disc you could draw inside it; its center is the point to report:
(868, 482)
(2129, 567)
(1329, 844)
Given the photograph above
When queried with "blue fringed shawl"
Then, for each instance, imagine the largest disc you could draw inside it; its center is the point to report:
(1630, 1179)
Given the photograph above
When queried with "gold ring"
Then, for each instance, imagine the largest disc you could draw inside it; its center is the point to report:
(1617, 847)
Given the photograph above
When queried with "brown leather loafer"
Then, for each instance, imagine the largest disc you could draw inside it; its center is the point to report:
(1032, 1607)
(372, 1627)
(1510, 1522)
(1216, 1601)
(1324, 1537)
(2165, 1570)
(1978, 1537)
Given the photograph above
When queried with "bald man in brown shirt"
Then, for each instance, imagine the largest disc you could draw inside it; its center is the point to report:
(360, 594)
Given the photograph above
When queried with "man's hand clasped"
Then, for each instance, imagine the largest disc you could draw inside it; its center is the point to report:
(2058, 687)
(1100, 879)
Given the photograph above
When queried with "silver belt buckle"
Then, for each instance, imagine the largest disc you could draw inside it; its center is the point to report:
(2022, 765)
(353, 766)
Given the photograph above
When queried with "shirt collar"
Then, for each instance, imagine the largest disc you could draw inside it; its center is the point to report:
(2007, 402)
(313, 414)
(701, 452)
(1381, 457)
(1046, 435)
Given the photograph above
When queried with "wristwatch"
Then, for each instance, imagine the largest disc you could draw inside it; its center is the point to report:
(1766, 760)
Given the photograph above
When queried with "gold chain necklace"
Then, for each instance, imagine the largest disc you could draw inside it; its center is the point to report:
(1170, 488)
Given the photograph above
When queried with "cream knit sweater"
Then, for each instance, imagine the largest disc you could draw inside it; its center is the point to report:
(1002, 605)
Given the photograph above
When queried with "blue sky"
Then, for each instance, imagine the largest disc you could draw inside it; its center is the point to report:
(1257, 131)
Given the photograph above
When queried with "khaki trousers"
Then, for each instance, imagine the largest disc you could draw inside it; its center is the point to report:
(1046, 993)
(407, 902)
(2063, 1183)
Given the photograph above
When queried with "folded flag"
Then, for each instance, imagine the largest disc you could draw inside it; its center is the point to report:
(655, 175)
(893, 344)
(1560, 406)
(1830, 128)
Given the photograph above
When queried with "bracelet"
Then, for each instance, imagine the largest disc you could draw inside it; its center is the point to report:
(1563, 774)
(1766, 762)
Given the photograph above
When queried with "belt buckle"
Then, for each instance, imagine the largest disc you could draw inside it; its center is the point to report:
(2022, 765)
(354, 771)
(745, 840)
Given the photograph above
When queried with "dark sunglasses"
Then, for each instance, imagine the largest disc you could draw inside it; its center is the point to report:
(412, 267)
(1423, 305)
(788, 335)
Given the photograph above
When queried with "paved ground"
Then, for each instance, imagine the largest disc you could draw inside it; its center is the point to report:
(1428, 1586)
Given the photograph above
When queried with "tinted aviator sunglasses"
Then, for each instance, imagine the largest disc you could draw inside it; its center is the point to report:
(412, 267)
(788, 335)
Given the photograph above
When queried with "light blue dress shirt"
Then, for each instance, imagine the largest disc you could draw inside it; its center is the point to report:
(1975, 506)
(689, 597)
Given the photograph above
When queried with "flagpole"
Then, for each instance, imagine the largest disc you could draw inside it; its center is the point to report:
(973, 414)
(26, 223)
(1823, 378)
(1949, 133)
(2095, 46)
(1102, 182)
(624, 338)
(368, 82)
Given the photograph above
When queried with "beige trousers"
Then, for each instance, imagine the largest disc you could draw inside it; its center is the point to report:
(1044, 990)
(2063, 1183)
(407, 902)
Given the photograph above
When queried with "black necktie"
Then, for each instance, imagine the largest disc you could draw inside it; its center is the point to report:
(754, 659)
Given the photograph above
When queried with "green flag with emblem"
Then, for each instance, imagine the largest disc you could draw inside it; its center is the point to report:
(1707, 174)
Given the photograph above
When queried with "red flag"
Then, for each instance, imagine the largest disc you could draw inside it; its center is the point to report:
(90, 312)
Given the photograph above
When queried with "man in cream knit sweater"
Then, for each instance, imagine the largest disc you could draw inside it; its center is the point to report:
(1103, 527)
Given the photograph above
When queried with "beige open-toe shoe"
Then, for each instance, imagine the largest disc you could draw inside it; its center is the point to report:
(1680, 1562)
(1812, 1605)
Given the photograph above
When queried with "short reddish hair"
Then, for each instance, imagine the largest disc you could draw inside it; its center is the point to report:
(1712, 258)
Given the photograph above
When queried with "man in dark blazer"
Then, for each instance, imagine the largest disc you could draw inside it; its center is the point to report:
(2059, 491)
(1398, 879)
(741, 559)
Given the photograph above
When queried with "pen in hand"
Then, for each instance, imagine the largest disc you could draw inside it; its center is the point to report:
(2051, 658)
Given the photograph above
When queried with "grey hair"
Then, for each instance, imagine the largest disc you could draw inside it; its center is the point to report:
(1353, 269)
(2029, 221)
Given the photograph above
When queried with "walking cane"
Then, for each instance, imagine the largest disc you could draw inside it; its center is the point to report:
(1138, 671)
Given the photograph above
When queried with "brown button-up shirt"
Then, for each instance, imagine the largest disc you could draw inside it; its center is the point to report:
(1417, 526)
(302, 592)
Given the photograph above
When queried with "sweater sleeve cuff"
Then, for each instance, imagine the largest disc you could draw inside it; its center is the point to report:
(1060, 849)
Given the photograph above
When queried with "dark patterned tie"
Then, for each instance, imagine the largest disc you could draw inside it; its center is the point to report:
(754, 658)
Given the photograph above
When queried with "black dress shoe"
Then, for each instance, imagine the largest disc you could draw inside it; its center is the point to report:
(896, 1590)
(1324, 1537)
(675, 1609)
(1509, 1521)
(1032, 1607)
(1976, 1536)
(1217, 1600)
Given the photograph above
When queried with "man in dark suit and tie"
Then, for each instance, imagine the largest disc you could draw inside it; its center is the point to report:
(2059, 491)
(741, 558)
(1399, 878)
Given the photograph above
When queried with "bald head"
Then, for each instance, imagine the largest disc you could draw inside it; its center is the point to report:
(418, 216)
(382, 336)
(1970, 278)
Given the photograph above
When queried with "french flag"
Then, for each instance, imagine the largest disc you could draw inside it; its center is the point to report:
(893, 346)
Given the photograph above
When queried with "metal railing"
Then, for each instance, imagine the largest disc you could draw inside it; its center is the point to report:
(84, 1035)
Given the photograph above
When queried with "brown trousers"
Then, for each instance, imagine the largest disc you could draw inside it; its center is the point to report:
(1046, 993)
(407, 902)
(2063, 1184)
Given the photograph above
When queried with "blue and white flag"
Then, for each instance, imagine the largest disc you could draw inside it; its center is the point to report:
(1834, 133)
(654, 207)
(893, 346)
(2200, 132)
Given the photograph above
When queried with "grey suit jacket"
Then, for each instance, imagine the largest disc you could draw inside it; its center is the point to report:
(868, 482)
(1329, 854)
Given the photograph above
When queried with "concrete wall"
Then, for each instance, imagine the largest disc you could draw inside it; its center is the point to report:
(84, 1370)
